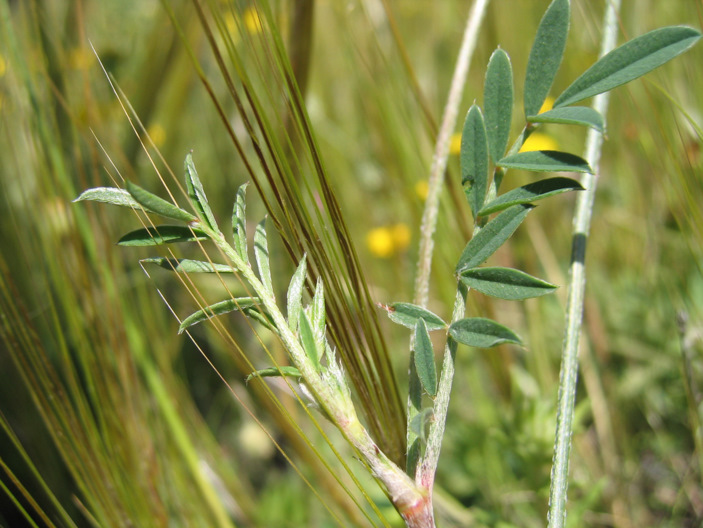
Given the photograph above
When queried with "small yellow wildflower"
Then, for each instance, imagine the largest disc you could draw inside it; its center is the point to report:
(385, 241)
(547, 105)
(421, 189)
(455, 144)
(380, 242)
(157, 134)
(539, 141)
(3, 66)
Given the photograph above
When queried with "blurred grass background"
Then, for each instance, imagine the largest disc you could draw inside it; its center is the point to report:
(122, 422)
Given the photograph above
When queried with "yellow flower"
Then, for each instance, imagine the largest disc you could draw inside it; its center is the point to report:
(547, 105)
(455, 144)
(3, 66)
(385, 241)
(539, 141)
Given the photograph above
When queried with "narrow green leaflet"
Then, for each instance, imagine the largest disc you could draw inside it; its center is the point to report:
(196, 193)
(223, 307)
(498, 102)
(530, 193)
(630, 61)
(261, 252)
(474, 158)
(571, 115)
(307, 338)
(482, 333)
(187, 265)
(317, 312)
(407, 314)
(491, 237)
(505, 283)
(545, 161)
(290, 372)
(164, 234)
(158, 205)
(424, 358)
(420, 423)
(109, 195)
(239, 223)
(295, 295)
(546, 54)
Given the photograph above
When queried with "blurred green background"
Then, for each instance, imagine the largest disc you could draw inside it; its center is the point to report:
(112, 419)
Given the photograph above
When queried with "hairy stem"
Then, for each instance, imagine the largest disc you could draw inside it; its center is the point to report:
(439, 161)
(436, 179)
(575, 298)
(410, 500)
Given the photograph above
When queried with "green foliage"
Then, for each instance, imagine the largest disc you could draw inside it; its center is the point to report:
(492, 236)
(481, 333)
(505, 283)
(474, 158)
(408, 315)
(127, 389)
(531, 192)
(630, 61)
(163, 234)
(498, 103)
(545, 161)
(546, 54)
(424, 358)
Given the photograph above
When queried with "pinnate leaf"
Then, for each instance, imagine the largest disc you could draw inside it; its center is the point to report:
(424, 358)
(498, 102)
(474, 158)
(295, 294)
(109, 195)
(407, 314)
(307, 338)
(188, 265)
(546, 54)
(196, 193)
(239, 223)
(545, 161)
(530, 193)
(158, 205)
(285, 371)
(261, 252)
(505, 283)
(164, 234)
(482, 333)
(630, 61)
(492, 236)
(223, 307)
(571, 115)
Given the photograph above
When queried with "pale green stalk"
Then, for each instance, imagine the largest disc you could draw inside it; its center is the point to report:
(575, 298)
(429, 216)
(409, 499)
(439, 161)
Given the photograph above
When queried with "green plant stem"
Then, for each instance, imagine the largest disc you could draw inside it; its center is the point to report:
(576, 295)
(430, 213)
(439, 161)
(428, 466)
(410, 500)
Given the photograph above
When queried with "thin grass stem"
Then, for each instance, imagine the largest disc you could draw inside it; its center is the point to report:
(576, 295)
